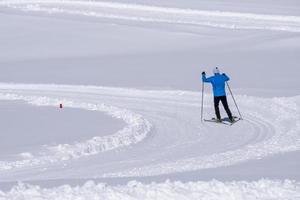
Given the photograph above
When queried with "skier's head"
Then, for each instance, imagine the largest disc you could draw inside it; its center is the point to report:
(216, 70)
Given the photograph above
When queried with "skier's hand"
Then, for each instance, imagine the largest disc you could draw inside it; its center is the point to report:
(224, 74)
(203, 73)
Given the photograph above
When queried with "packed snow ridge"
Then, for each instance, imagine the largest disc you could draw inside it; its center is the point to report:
(144, 13)
(262, 189)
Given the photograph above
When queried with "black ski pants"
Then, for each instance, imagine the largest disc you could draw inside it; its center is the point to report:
(223, 99)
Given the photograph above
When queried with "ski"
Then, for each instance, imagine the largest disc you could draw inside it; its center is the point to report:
(224, 121)
(215, 121)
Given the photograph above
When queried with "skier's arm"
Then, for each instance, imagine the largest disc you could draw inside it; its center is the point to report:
(226, 78)
(204, 79)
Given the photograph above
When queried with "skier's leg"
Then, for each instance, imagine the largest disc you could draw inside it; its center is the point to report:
(226, 107)
(217, 110)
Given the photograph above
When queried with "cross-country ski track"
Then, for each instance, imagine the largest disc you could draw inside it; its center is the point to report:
(164, 133)
(156, 14)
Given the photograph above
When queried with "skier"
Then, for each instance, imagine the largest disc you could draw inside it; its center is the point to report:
(218, 83)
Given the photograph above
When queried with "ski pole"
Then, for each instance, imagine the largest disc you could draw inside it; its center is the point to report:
(234, 100)
(202, 101)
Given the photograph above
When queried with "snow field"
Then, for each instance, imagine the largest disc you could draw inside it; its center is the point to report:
(263, 189)
(143, 13)
(136, 130)
(271, 126)
(163, 137)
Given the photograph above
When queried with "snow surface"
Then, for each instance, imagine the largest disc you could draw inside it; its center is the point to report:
(143, 13)
(45, 126)
(161, 109)
(262, 189)
(90, 55)
(261, 136)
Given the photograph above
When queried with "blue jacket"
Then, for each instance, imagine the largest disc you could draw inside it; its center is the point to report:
(218, 83)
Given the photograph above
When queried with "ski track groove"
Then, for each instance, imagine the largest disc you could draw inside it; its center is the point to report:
(155, 14)
(175, 128)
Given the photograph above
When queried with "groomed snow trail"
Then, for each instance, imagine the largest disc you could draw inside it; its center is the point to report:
(164, 132)
(144, 13)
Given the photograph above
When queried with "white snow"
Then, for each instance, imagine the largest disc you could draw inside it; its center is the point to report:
(263, 189)
(136, 131)
(142, 13)
(271, 126)
(139, 62)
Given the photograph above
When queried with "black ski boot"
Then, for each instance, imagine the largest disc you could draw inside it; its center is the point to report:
(218, 120)
(231, 119)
